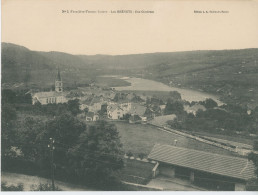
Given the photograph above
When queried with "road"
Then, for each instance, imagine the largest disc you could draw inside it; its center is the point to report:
(28, 181)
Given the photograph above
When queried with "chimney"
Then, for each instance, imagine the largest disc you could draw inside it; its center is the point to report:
(175, 142)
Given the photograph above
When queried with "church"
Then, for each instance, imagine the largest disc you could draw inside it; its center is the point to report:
(51, 97)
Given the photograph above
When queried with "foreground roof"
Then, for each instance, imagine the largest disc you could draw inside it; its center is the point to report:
(234, 167)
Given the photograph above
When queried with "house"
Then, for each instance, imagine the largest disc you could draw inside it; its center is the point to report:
(91, 116)
(135, 119)
(125, 105)
(193, 109)
(93, 104)
(149, 113)
(162, 108)
(115, 112)
(51, 97)
(137, 109)
(152, 112)
(95, 107)
(75, 94)
(83, 106)
(207, 170)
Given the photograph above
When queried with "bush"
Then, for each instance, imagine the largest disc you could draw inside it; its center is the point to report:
(44, 187)
(129, 154)
(141, 155)
(256, 145)
(4, 187)
(209, 103)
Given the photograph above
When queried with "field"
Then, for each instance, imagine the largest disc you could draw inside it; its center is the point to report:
(138, 139)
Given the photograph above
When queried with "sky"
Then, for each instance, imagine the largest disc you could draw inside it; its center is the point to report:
(40, 25)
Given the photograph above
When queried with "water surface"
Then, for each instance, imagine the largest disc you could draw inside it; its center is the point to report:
(139, 84)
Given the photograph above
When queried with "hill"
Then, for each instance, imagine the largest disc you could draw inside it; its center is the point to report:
(230, 73)
(21, 65)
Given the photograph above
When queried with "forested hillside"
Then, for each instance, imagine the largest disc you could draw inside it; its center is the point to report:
(232, 74)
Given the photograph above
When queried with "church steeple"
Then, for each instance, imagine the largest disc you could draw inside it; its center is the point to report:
(58, 76)
(58, 83)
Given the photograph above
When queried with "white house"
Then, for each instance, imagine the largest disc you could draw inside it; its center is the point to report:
(115, 112)
(51, 97)
(126, 106)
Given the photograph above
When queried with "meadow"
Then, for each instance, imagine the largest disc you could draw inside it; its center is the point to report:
(138, 139)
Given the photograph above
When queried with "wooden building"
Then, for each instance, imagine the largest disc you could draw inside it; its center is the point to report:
(207, 170)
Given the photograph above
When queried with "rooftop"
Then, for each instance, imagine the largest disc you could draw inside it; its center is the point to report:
(113, 107)
(137, 109)
(234, 167)
(49, 94)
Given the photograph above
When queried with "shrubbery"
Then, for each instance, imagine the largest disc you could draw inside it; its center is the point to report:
(5, 187)
(44, 187)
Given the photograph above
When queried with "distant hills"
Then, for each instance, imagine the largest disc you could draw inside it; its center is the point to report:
(20, 64)
(224, 72)
(15, 56)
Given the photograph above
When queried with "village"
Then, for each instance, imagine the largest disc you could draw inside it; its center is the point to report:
(97, 103)
(151, 113)
(128, 96)
(102, 103)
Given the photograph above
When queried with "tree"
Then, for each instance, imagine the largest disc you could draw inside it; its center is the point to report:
(175, 95)
(8, 133)
(209, 103)
(65, 130)
(256, 145)
(8, 96)
(97, 155)
(29, 130)
(174, 107)
(126, 117)
(86, 110)
(5, 187)
(74, 106)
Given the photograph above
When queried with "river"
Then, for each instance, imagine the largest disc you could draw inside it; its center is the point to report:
(139, 84)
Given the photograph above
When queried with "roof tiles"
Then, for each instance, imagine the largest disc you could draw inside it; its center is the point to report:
(233, 167)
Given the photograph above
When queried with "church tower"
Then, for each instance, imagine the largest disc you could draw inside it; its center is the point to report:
(58, 83)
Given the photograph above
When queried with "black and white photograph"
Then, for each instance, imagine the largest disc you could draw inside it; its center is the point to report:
(129, 95)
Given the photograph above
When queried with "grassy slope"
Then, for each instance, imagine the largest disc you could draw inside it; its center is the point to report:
(141, 139)
(232, 74)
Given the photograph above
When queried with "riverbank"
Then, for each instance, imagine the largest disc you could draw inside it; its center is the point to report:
(140, 84)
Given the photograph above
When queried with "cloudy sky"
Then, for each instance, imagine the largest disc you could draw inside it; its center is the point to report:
(41, 25)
